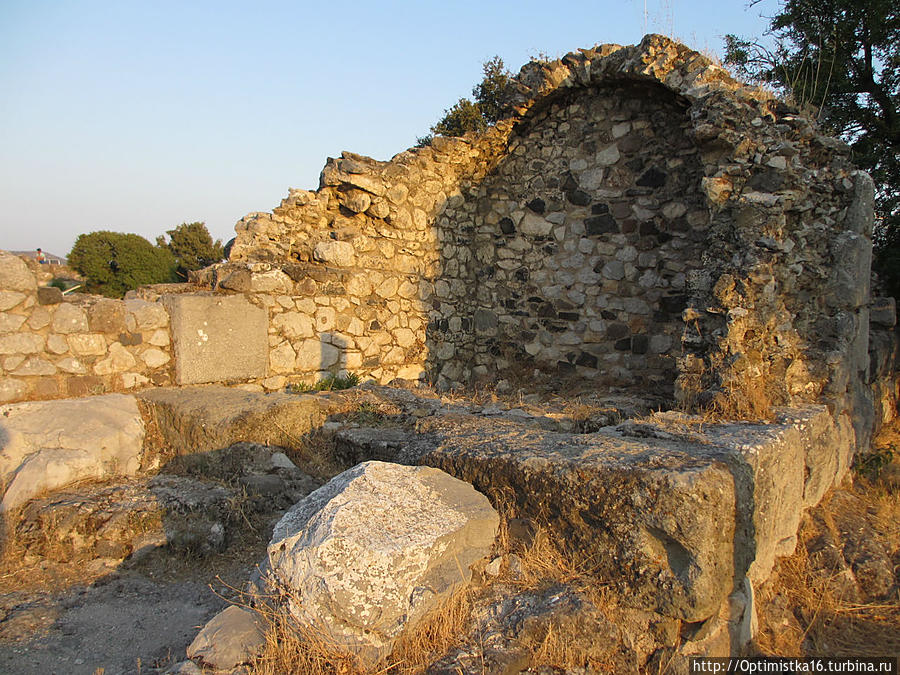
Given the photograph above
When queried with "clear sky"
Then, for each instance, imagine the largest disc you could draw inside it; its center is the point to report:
(138, 116)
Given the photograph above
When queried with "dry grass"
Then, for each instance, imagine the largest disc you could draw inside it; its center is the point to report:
(293, 649)
(828, 624)
(744, 396)
(443, 628)
(828, 621)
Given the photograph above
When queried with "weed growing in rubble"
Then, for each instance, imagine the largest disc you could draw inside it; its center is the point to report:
(327, 383)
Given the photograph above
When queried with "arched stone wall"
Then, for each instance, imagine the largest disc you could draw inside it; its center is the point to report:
(642, 178)
(583, 237)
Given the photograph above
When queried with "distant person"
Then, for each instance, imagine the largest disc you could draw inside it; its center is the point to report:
(41, 258)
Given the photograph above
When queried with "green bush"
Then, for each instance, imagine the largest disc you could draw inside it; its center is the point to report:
(114, 263)
(465, 116)
(192, 247)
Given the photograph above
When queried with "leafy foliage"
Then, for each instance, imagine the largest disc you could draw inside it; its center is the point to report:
(842, 58)
(465, 115)
(192, 247)
(113, 263)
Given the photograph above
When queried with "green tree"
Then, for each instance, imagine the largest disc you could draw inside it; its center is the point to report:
(113, 263)
(465, 115)
(841, 58)
(192, 247)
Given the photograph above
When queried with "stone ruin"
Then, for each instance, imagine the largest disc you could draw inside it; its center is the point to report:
(638, 221)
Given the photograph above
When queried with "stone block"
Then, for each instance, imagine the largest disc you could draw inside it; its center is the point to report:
(15, 275)
(9, 299)
(55, 443)
(388, 541)
(49, 295)
(107, 316)
(674, 519)
(69, 318)
(218, 338)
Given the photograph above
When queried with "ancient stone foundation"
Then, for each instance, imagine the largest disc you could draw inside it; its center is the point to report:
(638, 220)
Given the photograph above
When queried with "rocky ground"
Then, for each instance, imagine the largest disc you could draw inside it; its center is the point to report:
(118, 579)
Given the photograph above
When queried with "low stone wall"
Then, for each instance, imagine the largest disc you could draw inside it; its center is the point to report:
(55, 346)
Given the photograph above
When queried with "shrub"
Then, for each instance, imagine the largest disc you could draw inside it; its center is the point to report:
(114, 263)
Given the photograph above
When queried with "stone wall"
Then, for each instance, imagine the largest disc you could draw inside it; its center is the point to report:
(55, 346)
(638, 218)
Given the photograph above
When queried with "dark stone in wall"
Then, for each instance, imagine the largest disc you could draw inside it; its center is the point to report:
(507, 226)
(617, 330)
(537, 205)
(652, 177)
(578, 197)
(484, 320)
(601, 224)
(49, 295)
(565, 368)
(83, 385)
(623, 345)
(639, 344)
(599, 209)
(130, 339)
(673, 304)
(586, 360)
(767, 181)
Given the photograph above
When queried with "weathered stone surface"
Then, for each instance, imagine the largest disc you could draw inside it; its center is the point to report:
(21, 343)
(9, 323)
(332, 252)
(154, 358)
(374, 549)
(9, 299)
(15, 275)
(217, 338)
(142, 315)
(51, 444)
(234, 636)
(88, 344)
(107, 316)
(670, 517)
(119, 360)
(115, 521)
(293, 325)
(11, 389)
(201, 419)
(34, 365)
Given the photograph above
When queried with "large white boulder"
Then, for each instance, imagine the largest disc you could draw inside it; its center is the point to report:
(369, 553)
(46, 445)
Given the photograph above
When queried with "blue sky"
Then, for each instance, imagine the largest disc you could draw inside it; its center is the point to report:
(136, 117)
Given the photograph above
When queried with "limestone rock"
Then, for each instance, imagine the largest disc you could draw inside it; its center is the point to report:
(669, 517)
(373, 550)
(232, 637)
(339, 253)
(54, 443)
(15, 275)
(115, 521)
(70, 318)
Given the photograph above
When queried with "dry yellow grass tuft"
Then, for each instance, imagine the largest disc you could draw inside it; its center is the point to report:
(818, 616)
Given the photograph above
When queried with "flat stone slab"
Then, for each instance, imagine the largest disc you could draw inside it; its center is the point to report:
(47, 445)
(218, 338)
(232, 637)
(675, 513)
(200, 419)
